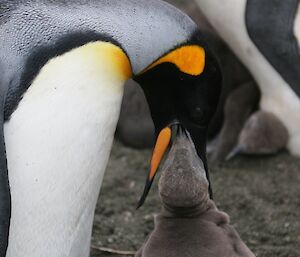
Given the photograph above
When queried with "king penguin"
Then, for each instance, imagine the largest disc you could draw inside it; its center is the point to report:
(63, 66)
(265, 35)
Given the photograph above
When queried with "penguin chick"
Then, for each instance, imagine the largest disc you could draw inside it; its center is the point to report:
(262, 134)
(190, 225)
(238, 107)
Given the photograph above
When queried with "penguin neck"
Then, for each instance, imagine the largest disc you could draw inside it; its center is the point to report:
(185, 212)
(58, 142)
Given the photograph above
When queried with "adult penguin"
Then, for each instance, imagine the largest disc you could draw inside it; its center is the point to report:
(265, 34)
(63, 67)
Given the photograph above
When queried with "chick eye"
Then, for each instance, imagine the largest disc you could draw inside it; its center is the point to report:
(198, 115)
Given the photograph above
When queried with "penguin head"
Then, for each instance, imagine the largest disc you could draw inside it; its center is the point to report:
(183, 183)
(182, 89)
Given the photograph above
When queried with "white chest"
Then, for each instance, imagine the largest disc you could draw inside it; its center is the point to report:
(58, 142)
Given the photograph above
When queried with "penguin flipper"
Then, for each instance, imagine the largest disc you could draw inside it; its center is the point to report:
(5, 200)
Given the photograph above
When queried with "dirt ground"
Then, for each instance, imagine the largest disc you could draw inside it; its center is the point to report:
(262, 196)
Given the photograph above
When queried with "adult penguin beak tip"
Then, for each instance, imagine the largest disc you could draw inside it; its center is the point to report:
(161, 146)
(145, 193)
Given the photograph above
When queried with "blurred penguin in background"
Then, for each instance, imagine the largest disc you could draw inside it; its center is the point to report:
(265, 35)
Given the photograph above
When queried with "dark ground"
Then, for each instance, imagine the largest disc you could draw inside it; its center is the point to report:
(262, 196)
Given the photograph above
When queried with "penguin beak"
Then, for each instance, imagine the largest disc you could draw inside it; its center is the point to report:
(163, 143)
(161, 146)
(234, 152)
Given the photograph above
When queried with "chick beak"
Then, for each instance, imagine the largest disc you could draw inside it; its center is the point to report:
(161, 146)
(234, 152)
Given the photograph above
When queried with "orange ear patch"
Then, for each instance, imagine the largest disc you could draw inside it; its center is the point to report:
(189, 59)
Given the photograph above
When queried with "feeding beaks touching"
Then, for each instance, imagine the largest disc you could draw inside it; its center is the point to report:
(183, 185)
(182, 89)
(163, 145)
(164, 140)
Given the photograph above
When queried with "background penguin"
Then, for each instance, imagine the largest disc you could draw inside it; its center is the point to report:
(64, 66)
(189, 224)
(238, 107)
(262, 134)
(265, 36)
(135, 126)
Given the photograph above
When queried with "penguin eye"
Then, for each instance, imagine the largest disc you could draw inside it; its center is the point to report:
(198, 116)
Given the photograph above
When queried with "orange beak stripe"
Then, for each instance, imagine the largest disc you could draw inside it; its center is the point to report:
(189, 59)
(161, 146)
